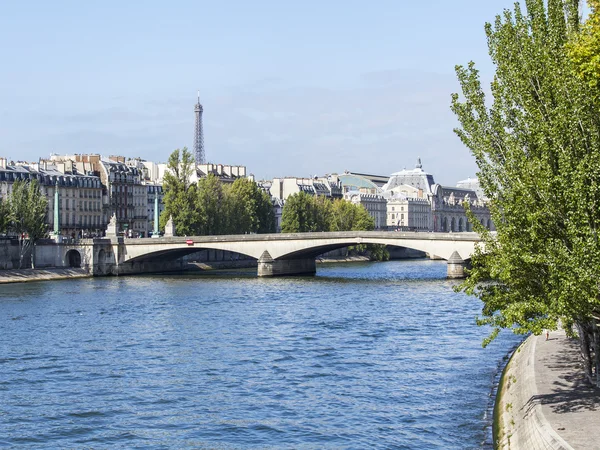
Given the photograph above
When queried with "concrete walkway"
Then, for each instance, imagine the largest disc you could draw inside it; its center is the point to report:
(545, 401)
(24, 275)
(568, 402)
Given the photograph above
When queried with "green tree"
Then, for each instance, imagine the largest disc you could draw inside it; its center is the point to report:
(210, 205)
(362, 219)
(346, 216)
(266, 214)
(4, 215)
(303, 213)
(180, 194)
(538, 151)
(322, 207)
(342, 215)
(584, 49)
(28, 211)
(251, 208)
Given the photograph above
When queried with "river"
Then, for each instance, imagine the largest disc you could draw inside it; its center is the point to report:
(364, 355)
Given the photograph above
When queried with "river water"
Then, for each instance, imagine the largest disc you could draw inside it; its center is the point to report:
(373, 355)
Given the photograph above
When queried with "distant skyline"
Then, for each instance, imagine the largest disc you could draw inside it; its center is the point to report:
(288, 89)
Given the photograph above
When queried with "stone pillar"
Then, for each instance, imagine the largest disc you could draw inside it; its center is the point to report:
(56, 211)
(269, 267)
(155, 232)
(55, 235)
(456, 266)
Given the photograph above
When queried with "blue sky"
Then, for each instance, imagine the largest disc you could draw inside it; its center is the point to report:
(288, 88)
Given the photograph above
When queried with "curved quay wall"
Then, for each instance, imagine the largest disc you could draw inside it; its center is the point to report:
(519, 422)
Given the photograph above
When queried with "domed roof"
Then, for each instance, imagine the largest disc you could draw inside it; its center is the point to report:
(416, 177)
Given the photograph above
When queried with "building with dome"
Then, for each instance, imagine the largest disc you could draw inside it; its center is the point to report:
(416, 202)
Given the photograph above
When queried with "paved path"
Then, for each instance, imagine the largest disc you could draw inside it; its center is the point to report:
(545, 401)
(570, 405)
(23, 275)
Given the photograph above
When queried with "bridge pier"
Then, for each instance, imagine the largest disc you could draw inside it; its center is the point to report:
(269, 267)
(456, 266)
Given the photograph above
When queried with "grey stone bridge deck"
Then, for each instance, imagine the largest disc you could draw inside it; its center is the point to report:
(277, 254)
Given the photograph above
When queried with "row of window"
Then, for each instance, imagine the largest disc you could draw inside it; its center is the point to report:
(415, 208)
(68, 219)
(83, 205)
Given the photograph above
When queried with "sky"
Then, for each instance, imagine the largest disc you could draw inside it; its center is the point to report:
(288, 88)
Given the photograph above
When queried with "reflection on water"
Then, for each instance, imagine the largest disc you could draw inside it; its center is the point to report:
(380, 355)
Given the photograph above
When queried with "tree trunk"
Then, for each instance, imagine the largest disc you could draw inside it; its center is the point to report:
(33, 255)
(596, 352)
(585, 350)
(21, 251)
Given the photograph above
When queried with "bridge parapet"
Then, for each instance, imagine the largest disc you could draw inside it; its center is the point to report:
(277, 254)
(302, 247)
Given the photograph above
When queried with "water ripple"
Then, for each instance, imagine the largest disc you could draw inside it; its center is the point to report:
(360, 356)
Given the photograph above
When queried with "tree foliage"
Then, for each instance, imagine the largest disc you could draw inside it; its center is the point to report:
(300, 215)
(251, 208)
(179, 194)
(584, 49)
(538, 151)
(4, 215)
(305, 213)
(210, 202)
(28, 208)
(210, 207)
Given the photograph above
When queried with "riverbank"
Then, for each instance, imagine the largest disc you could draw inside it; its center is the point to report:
(342, 259)
(544, 400)
(25, 275)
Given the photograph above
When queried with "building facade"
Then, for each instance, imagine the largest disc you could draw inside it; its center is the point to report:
(409, 214)
(375, 205)
(80, 195)
(154, 191)
(282, 188)
(124, 195)
(415, 191)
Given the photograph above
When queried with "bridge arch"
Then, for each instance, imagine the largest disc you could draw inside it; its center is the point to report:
(73, 258)
(296, 246)
(176, 252)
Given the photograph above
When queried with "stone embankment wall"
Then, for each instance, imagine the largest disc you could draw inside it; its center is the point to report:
(518, 417)
(9, 254)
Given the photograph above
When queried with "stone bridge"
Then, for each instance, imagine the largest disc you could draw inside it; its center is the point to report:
(277, 254)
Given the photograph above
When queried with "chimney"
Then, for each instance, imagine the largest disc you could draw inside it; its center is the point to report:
(2, 163)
